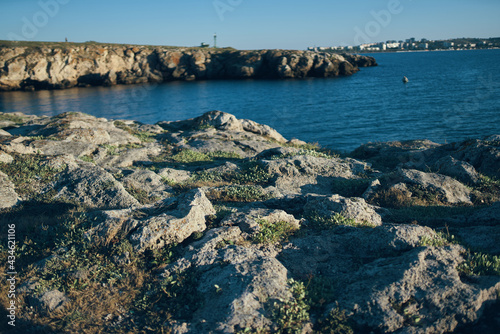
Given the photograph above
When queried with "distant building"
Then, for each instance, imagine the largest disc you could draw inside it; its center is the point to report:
(204, 45)
(393, 45)
(448, 44)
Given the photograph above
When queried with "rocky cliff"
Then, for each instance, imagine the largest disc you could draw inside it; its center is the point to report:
(220, 225)
(30, 68)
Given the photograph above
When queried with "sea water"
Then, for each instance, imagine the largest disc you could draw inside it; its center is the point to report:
(450, 96)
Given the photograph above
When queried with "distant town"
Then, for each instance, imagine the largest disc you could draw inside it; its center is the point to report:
(412, 44)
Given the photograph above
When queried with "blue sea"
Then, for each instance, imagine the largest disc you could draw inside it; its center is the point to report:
(451, 95)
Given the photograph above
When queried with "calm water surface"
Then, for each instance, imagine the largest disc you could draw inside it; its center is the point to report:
(451, 96)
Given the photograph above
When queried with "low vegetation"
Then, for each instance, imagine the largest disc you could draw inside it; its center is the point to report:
(238, 193)
(477, 263)
(11, 118)
(272, 232)
(320, 222)
(30, 173)
(291, 315)
(144, 136)
(308, 304)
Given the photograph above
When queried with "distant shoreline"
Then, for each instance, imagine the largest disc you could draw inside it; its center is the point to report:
(411, 51)
(59, 66)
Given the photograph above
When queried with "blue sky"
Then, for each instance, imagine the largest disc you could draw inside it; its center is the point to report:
(247, 24)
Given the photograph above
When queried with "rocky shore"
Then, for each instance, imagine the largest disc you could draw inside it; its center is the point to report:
(80, 65)
(220, 225)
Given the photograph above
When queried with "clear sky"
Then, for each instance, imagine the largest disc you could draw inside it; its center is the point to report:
(247, 24)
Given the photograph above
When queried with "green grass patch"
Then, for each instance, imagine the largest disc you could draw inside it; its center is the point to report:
(271, 233)
(477, 263)
(350, 187)
(161, 299)
(111, 149)
(238, 193)
(336, 322)
(87, 158)
(309, 152)
(141, 195)
(98, 280)
(487, 191)
(187, 156)
(144, 136)
(320, 222)
(29, 172)
(250, 173)
(191, 157)
(291, 315)
(439, 240)
(11, 118)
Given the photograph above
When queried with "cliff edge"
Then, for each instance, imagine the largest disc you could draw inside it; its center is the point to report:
(80, 65)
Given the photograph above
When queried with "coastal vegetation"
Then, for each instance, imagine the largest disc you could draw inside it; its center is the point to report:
(127, 227)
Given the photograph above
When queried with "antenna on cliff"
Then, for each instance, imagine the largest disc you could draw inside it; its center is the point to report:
(215, 40)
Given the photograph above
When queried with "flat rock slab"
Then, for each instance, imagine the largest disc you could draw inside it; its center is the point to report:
(92, 186)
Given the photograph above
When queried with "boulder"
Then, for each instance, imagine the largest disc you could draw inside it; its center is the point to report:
(128, 157)
(149, 182)
(51, 301)
(169, 221)
(174, 226)
(218, 131)
(352, 208)
(5, 158)
(4, 133)
(460, 170)
(175, 175)
(410, 186)
(247, 219)
(484, 154)
(77, 127)
(419, 291)
(92, 186)
(385, 282)
(305, 174)
(8, 195)
(234, 282)
(343, 250)
(449, 190)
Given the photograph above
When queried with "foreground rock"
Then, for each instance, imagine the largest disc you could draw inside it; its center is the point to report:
(104, 65)
(220, 225)
(461, 160)
(167, 222)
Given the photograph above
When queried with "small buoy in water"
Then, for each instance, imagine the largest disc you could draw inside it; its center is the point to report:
(405, 80)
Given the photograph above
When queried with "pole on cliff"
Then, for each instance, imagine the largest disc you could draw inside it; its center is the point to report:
(215, 41)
